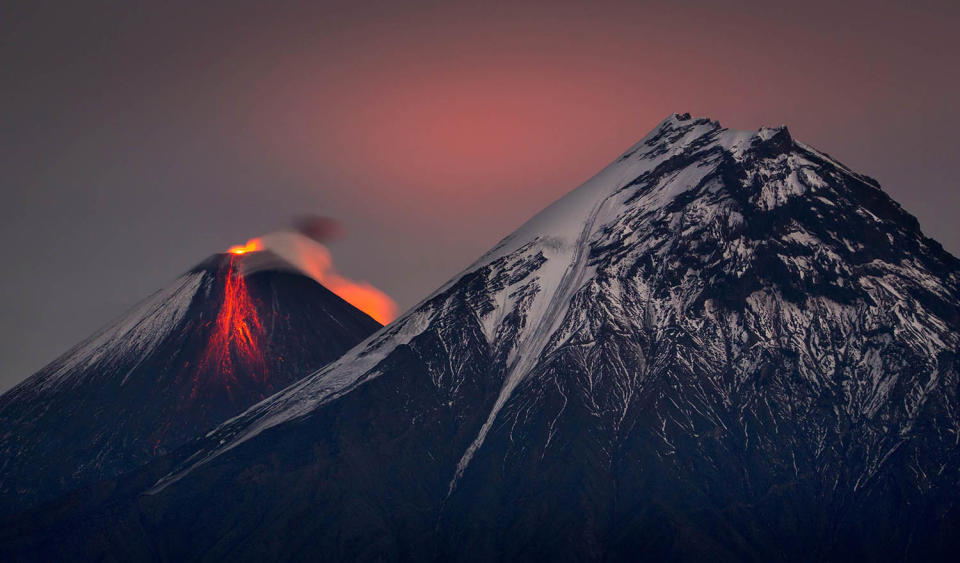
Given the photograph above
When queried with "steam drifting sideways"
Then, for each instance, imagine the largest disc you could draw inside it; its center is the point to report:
(313, 259)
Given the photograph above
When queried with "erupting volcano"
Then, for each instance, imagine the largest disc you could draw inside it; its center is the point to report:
(231, 331)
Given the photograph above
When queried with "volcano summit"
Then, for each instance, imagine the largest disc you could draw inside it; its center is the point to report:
(725, 346)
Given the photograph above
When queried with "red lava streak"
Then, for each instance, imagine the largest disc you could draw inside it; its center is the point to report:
(234, 344)
(232, 357)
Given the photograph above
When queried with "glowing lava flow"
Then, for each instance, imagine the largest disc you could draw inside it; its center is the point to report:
(232, 354)
(237, 331)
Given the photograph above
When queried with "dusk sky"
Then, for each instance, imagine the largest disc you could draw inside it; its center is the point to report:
(137, 138)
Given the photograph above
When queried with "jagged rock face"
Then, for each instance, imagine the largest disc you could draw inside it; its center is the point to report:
(724, 345)
(182, 361)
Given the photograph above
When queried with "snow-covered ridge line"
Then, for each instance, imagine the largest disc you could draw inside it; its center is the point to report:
(136, 332)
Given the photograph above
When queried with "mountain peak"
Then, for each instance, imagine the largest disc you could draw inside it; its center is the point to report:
(728, 215)
(695, 146)
(667, 132)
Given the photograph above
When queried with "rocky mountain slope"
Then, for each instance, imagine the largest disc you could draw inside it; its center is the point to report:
(726, 345)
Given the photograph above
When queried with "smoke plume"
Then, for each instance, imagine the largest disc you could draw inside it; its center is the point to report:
(303, 251)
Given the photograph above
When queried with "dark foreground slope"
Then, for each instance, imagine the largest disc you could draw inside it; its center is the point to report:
(187, 358)
(726, 346)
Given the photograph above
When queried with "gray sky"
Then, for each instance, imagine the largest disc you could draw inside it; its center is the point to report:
(136, 138)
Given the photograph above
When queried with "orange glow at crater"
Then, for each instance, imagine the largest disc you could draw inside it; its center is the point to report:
(252, 246)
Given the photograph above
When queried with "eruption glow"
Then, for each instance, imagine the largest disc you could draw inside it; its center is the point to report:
(232, 349)
(314, 260)
(251, 246)
(237, 329)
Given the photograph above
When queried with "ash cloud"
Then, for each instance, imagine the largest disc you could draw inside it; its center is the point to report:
(319, 228)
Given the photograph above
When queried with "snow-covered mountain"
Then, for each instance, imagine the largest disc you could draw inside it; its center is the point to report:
(725, 345)
(223, 336)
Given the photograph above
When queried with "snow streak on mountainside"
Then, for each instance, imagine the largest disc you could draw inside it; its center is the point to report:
(725, 346)
(135, 334)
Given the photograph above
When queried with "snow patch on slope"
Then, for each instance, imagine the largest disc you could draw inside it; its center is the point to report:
(135, 334)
